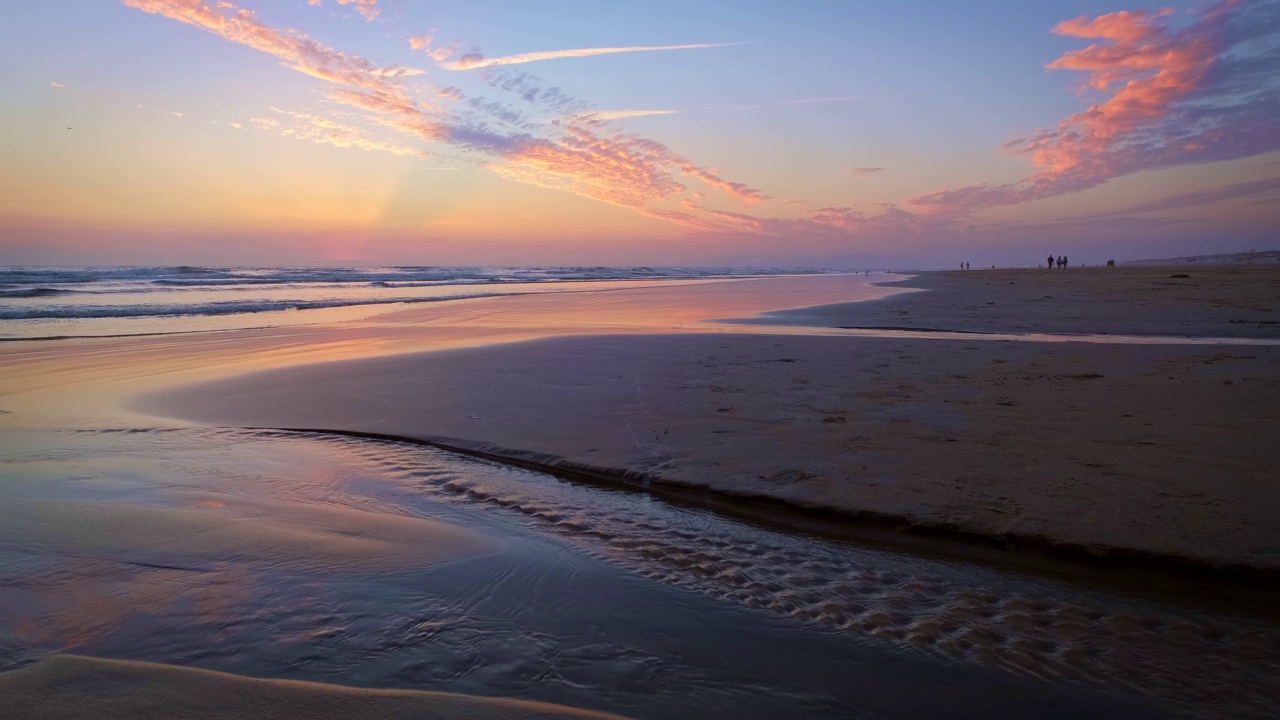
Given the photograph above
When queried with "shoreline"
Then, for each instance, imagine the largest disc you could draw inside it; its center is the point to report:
(850, 481)
(575, 380)
(1247, 589)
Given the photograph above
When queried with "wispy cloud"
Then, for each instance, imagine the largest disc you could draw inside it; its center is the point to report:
(586, 157)
(56, 85)
(177, 113)
(1258, 190)
(326, 131)
(296, 50)
(606, 115)
(425, 41)
(1206, 91)
(368, 9)
(475, 61)
(796, 101)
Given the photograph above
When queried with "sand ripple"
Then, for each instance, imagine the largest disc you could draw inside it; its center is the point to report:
(1203, 662)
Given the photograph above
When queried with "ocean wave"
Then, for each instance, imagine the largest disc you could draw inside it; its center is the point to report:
(36, 293)
(228, 307)
(190, 274)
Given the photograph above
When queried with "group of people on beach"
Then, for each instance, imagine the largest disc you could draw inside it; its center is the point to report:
(1060, 261)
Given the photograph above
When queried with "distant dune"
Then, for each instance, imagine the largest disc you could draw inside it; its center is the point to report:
(1259, 257)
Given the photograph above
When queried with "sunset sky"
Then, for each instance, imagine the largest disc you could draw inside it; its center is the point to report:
(842, 133)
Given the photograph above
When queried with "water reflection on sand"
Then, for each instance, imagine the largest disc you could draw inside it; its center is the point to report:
(382, 564)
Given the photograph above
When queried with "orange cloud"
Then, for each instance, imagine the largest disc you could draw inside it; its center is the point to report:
(865, 172)
(1175, 96)
(331, 132)
(584, 156)
(296, 50)
(424, 41)
(367, 8)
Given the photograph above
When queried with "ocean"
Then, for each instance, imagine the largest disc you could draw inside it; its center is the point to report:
(66, 302)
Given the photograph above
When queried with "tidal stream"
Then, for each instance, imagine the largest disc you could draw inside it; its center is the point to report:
(114, 543)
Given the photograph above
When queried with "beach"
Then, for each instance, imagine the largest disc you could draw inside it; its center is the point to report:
(1053, 486)
(1138, 449)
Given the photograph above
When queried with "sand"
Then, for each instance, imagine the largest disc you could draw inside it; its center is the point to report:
(1236, 301)
(196, 529)
(67, 686)
(1146, 451)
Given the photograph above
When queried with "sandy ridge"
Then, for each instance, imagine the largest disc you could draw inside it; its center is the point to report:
(73, 687)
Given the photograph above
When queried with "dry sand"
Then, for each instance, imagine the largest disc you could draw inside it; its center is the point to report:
(1142, 450)
(1213, 301)
(67, 686)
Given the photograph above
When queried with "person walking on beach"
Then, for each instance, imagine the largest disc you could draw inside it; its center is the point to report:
(1050, 262)
(1064, 261)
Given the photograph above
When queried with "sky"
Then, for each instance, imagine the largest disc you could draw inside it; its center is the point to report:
(850, 133)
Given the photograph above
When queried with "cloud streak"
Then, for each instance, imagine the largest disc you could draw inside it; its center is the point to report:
(581, 155)
(606, 115)
(475, 61)
(296, 50)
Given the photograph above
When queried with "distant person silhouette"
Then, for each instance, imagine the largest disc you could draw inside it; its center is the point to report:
(1050, 262)
(1064, 261)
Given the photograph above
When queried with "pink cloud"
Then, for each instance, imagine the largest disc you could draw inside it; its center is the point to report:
(621, 169)
(327, 131)
(424, 43)
(1167, 96)
(296, 50)
(1201, 93)
(368, 9)
(56, 85)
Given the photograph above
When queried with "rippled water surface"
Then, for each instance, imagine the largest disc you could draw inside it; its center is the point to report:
(375, 563)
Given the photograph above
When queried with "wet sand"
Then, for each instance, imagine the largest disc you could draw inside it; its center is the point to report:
(294, 579)
(585, 597)
(67, 686)
(1144, 451)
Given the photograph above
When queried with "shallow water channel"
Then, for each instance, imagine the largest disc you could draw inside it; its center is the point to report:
(599, 598)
